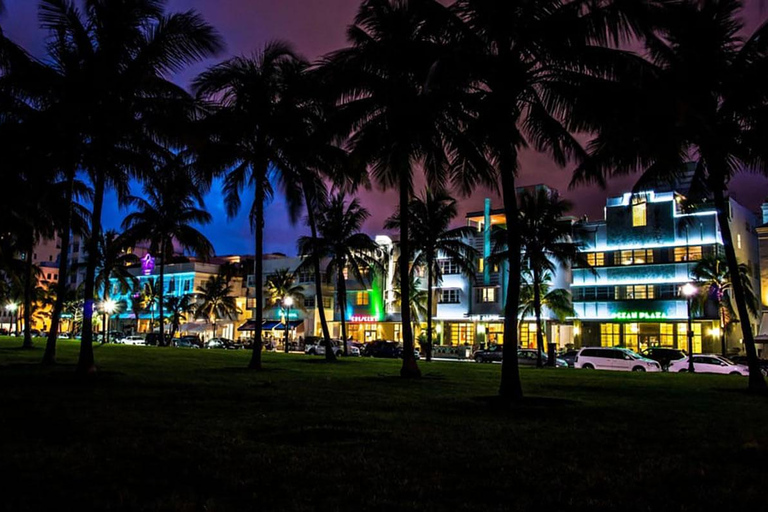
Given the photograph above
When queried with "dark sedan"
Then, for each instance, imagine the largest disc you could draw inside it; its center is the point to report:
(663, 355)
(492, 353)
(386, 349)
(743, 360)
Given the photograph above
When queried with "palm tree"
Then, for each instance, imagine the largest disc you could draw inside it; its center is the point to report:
(178, 308)
(120, 55)
(398, 103)
(520, 55)
(139, 301)
(150, 297)
(546, 240)
(699, 90)
(166, 218)
(418, 299)
(253, 119)
(714, 279)
(216, 301)
(556, 300)
(114, 262)
(432, 238)
(279, 286)
(348, 250)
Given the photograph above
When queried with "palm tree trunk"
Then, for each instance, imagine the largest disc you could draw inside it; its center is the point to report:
(312, 221)
(537, 312)
(258, 278)
(510, 389)
(28, 287)
(722, 331)
(756, 381)
(49, 357)
(161, 293)
(429, 309)
(409, 369)
(342, 298)
(85, 362)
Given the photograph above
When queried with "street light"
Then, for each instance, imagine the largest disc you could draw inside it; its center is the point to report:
(287, 303)
(108, 307)
(689, 291)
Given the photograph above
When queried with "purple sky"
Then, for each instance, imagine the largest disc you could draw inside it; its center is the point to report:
(316, 27)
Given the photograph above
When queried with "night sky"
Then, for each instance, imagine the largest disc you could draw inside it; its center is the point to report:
(316, 27)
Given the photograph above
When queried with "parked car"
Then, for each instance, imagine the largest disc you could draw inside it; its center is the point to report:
(743, 360)
(488, 355)
(132, 340)
(223, 343)
(663, 355)
(188, 342)
(387, 349)
(529, 357)
(318, 348)
(569, 356)
(616, 359)
(709, 363)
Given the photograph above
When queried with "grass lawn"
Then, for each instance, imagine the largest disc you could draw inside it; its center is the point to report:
(188, 430)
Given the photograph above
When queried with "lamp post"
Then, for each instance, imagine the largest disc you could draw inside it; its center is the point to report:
(12, 308)
(689, 291)
(287, 303)
(108, 307)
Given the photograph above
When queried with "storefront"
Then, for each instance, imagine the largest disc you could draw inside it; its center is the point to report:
(638, 336)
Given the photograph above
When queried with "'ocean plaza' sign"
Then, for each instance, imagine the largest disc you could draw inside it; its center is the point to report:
(639, 315)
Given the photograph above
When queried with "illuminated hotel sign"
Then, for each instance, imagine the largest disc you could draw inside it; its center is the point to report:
(147, 264)
(363, 319)
(639, 315)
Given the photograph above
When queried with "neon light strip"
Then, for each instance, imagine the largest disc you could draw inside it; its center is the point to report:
(638, 280)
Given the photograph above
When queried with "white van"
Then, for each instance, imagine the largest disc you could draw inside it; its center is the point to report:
(616, 359)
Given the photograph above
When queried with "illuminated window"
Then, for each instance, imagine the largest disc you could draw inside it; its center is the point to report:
(667, 332)
(485, 295)
(610, 335)
(362, 299)
(630, 335)
(692, 253)
(481, 265)
(596, 259)
(625, 258)
(682, 337)
(327, 302)
(527, 335)
(642, 256)
(738, 241)
(449, 267)
(639, 214)
(461, 334)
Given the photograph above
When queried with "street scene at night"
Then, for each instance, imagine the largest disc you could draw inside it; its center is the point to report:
(383, 255)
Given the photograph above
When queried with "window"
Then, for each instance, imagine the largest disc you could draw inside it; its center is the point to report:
(449, 297)
(667, 332)
(738, 240)
(635, 292)
(527, 335)
(481, 265)
(187, 286)
(596, 259)
(309, 302)
(690, 253)
(449, 267)
(639, 214)
(461, 334)
(326, 302)
(636, 257)
(630, 335)
(610, 335)
(362, 299)
(306, 276)
(682, 337)
(485, 295)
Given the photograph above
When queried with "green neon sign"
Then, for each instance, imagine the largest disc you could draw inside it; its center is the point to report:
(639, 315)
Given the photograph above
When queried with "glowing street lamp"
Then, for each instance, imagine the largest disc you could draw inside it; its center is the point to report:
(287, 303)
(12, 308)
(107, 307)
(689, 291)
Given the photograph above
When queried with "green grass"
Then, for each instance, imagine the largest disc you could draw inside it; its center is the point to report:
(189, 430)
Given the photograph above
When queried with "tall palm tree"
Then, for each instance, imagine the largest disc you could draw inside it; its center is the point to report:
(347, 249)
(250, 127)
(556, 300)
(150, 297)
(432, 238)
(399, 104)
(178, 308)
(418, 299)
(216, 301)
(546, 240)
(282, 284)
(520, 54)
(114, 262)
(120, 55)
(714, 279)
(700, 91)
(166, 218)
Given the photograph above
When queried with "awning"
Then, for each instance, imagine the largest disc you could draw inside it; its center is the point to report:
(292, 324)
